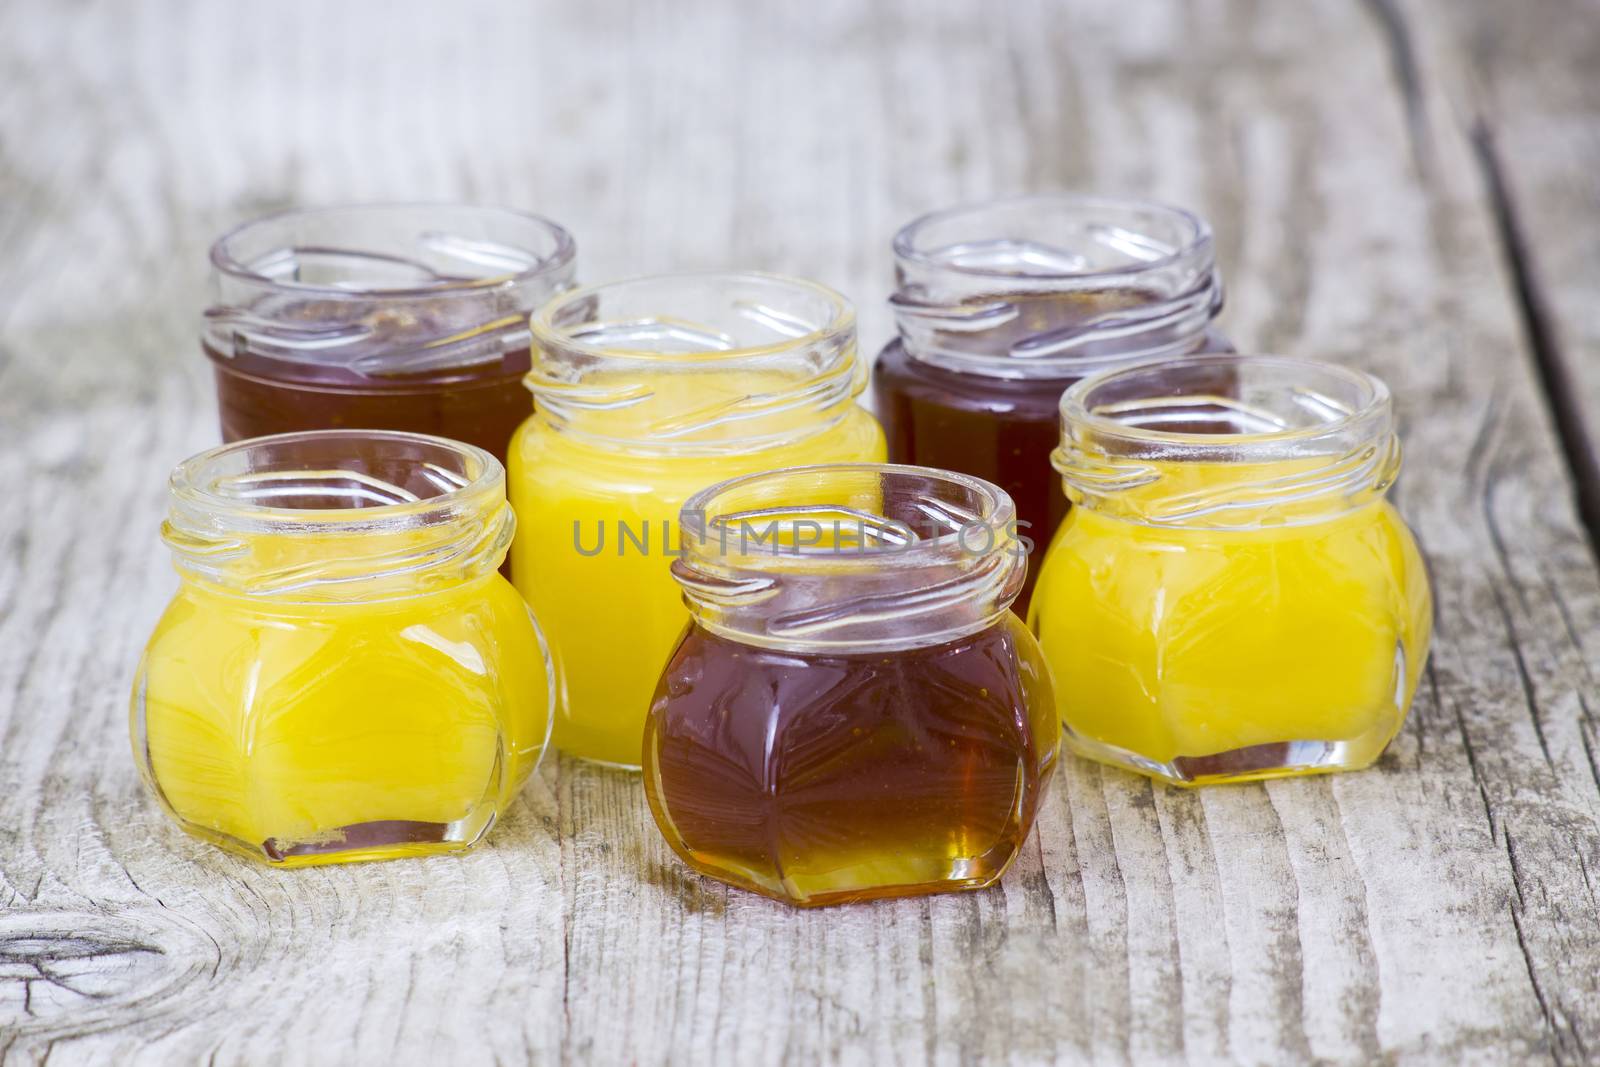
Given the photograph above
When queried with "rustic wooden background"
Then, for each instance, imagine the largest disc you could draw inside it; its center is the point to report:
(1410, 186)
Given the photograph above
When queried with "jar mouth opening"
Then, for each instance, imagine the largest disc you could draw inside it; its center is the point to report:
(849, 557)
(1054, 285)
(1141, 252)
(417, 239)
(899, 515)
(321, 482)
(1240, 407)
(792, 314)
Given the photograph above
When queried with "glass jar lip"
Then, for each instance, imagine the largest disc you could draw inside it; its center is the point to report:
(841, 322)
(998, 512)
(905, 240)
(190, 490)
(565, 251)
(1374, 405)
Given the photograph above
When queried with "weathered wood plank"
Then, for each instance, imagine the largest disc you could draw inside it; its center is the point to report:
(1517, 78)
(1527, 79)
(1437, 909)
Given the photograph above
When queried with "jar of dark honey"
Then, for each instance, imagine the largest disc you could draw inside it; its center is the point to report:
(383, 317)
(1002, 305)
(853, 711)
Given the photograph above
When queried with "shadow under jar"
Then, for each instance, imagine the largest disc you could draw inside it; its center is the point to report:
(1232, 597)
(394, 317)
(853, 711)
(342, 674)
(1002, 305)
(646, 391)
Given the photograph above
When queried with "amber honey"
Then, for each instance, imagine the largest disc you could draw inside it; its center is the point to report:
(812, 776)
(850, 735)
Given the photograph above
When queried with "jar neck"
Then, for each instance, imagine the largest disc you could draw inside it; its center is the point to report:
(1054, 286)
(1196, 494)
(386, 294)
(849, 558)
(332, 517)
(710, 364)
(722, 410)
(1227, 443)
(1062, 334)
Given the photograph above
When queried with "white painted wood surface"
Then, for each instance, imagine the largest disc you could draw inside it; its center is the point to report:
(1438, 909)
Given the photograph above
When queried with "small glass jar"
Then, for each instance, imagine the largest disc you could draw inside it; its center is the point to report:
(392, 317)
(646, 391)
(854, 711)
(1232, 596)
(1002, 305)
(342, 675)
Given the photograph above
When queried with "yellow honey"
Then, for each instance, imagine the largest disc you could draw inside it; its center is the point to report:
(644, 393)
(342, 673)
(1230, 596)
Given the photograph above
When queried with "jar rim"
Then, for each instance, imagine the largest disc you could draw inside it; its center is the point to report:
(392, 539)
(1373, 404)
(910, 591)
(192, 489)
(998, 510)
(841, 321)
(905, 246)
(558, 260)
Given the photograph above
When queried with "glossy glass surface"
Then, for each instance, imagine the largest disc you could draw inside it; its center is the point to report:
(823, 778)
(342, 675)
(645, 392)
(395, 317)
(1231, 597)
(850, 715)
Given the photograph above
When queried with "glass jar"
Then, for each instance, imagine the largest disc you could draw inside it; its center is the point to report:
(342, 675)
(1002, 305)
(1231, 596)
(644, 392)
(854, 711)
(392, 317)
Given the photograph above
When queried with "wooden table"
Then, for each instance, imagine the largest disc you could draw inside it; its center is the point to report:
(1408, 186)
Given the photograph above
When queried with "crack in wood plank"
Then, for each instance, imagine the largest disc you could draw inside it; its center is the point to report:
(1559, 390)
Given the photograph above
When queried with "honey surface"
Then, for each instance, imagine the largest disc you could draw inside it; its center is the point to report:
(825, 777)
(1181, 643)
(306, 731)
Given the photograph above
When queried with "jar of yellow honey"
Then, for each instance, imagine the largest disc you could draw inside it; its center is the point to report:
(343, 673)
(1231, 596)
(646, 391)
(854, 711)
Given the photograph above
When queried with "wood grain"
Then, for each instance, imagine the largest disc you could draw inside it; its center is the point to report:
(1528, 84)
(1438, 909)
